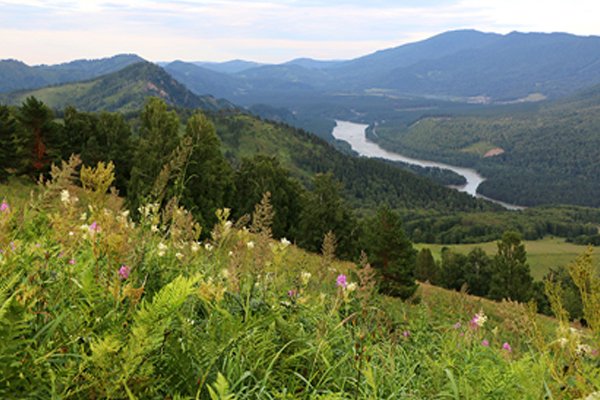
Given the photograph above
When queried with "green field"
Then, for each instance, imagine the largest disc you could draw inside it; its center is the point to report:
(542, 254)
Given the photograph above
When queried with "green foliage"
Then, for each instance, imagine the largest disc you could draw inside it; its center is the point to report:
(391, 254)
(208, 183)
(426, 269)
(324, 210)
(8, 148)
(511, 277)
(158, 139)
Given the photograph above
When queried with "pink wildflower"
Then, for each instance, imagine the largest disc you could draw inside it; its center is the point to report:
(4, 207)
(292, 293)
(342, 281)
(124, 271)
(485, 343)
(457, 325)
(94, 227)
(406, 334)
(506, 347)
(72, 261)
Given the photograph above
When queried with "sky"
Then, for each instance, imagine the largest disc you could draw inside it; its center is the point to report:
(270, 31)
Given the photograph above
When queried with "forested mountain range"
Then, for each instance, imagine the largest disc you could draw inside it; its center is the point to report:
(549, 153)
(125, 91)
(16, 75)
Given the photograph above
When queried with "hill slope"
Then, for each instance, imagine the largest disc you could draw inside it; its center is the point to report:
(15, 75)
(125, 90)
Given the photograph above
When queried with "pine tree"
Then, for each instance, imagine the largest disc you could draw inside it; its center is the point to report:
(392, 254)
(158, 138)
(209, 177)
(511, 277)
(42, 139)
(8, 131)
(324, 210)
(426, 269)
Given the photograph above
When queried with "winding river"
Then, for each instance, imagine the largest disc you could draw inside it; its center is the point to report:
(355, 135)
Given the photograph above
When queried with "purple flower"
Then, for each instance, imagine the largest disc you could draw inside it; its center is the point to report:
(12, 246)
(457, 325)
(124, 271)
(4, 207)
(72, 261)
(406, 334)
(485, 343)
(292, 293)
(506, 347)
(342, 281)
(94, 227)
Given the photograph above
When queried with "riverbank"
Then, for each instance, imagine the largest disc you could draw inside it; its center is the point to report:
(355, 134)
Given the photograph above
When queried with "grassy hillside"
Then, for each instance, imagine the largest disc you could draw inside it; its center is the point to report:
(124, 91)
(94, 306)
(542, 254)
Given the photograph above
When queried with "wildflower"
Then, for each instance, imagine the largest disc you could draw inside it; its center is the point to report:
(13, 246)
(478, 320)
(351, 287)
(72, 261)
(485, 343)
(162, 248)
(4, 207)
(208, 247)
(406, 334)
(124, 271)
(65, 197)
(178, 255)
(285, 242)
(225, 273)
(457, 325)
(154, 228)
(583, 349)
(94, 227)
(292, 293)
(71, 233)
(195, 247)
(305, 277)
(83, 216)
(250, 244)
(342, 281)
(506, 347)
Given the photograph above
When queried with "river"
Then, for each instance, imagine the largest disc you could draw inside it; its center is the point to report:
(355, 135)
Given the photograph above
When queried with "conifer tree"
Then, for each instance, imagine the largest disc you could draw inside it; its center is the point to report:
(158, 137)
(8, 130)
(426, 269)
(511, 277)
(392, 254)
(209, 177)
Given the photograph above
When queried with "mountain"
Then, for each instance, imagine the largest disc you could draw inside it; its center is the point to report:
(16, 75)
(125, 90)
(228, 67)
(202, 80)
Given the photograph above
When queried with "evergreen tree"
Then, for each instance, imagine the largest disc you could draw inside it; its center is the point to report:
(426, 269)
(158, 137)
(391, 253)
(324, 210)
(8, 131)
(209, 178)
(478, 272)
(452, 274)
(42, 139)
(264, 174)
(511, 277)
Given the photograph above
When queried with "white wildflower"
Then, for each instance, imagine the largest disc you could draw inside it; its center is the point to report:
(250, 244)
(65, 197)
(351, 287)
(179, 256)
(194, 247)
(162, 248)
(285, 242)
(208, 247)
(305, 277)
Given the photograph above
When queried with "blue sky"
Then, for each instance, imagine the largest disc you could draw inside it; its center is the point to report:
(38, 31)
